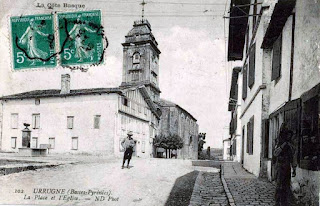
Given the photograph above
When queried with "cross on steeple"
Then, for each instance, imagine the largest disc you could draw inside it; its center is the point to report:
(142, 4)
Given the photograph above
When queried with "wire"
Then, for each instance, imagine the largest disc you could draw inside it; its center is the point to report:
(187, 3)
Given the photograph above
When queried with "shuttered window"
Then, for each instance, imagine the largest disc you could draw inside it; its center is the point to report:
(248, 136)
(36, 121)
(13, 142)
(276, 58)
(74, 143)
(244, 83)
(250, 132)
(265, 133)
(251, 135)
(252, 67)
(70, 122)
(96, 121)
(14, 121)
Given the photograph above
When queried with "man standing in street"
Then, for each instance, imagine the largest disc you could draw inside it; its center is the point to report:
(128, 145)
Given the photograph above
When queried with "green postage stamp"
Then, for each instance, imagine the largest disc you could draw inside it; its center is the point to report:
(80, 38)
(32, 41)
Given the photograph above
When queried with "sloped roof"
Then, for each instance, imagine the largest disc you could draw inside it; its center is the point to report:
(281, 12)
(56, 93)
(166, 103)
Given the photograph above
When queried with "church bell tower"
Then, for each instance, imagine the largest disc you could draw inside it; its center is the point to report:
(141, 59)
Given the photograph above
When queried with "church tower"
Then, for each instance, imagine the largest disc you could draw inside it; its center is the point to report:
(141, 59)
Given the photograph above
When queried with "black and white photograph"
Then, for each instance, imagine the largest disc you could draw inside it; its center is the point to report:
(160, 102)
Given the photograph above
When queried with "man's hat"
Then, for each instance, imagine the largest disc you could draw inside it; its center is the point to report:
(130, 133)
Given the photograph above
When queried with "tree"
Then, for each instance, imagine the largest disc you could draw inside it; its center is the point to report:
(201, 142)
(171, 141)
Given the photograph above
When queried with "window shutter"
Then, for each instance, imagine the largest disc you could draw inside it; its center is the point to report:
(244, 83)
(252, 134)
(34, 121)
(265, 133)
(248, 136)
(276, 58)
(38, 121)
(96, 122)
(252, 66)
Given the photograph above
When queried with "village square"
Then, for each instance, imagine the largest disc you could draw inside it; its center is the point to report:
(179, 102)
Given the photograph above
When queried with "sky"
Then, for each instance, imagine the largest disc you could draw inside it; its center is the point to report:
(192, 40)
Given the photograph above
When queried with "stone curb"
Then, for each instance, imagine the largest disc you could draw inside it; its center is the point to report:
(225, 186)
(9, 169)
(195, 188)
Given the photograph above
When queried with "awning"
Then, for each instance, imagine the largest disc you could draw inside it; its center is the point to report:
(237, 29)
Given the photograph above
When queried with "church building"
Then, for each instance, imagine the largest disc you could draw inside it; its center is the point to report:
(93, 120)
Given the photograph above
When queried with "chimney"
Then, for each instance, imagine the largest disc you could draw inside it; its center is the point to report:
(65, 84)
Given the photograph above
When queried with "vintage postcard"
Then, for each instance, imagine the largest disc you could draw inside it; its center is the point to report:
(160, 103)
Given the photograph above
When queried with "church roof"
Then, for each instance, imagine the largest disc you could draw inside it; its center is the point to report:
(166, 103)
(141, 34)
(140, 27)
(56, 93)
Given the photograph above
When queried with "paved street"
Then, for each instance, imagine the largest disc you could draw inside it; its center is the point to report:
(247, 189)
(208, 190)
(148, 182)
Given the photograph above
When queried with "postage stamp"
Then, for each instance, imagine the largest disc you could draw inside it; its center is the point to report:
(80, 38)
(33, 43)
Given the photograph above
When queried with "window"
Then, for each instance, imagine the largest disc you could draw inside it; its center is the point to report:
(36, 121)
(139, 108)
(13, 142)
(123, 122)
(136, 58)
(276, 58)
(125, 101)
(14, 121)
(252, 65)
(234, 147)
(37, 101)
(143, 146)
(70, 120)
(250, 131)
(96, 124)
(244, 81)
(52, 142)
(145, 110)
(154, 77)
(74, 143)
(135, 75)
(34, 142)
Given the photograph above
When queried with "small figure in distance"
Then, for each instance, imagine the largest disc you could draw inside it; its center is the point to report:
(128, 144)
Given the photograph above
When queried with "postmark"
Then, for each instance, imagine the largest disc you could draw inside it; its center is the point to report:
(80, 38)
(33, 43)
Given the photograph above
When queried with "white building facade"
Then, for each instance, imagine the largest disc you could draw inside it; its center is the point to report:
(277, 44)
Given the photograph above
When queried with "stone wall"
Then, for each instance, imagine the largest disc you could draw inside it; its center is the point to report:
(176, 121)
